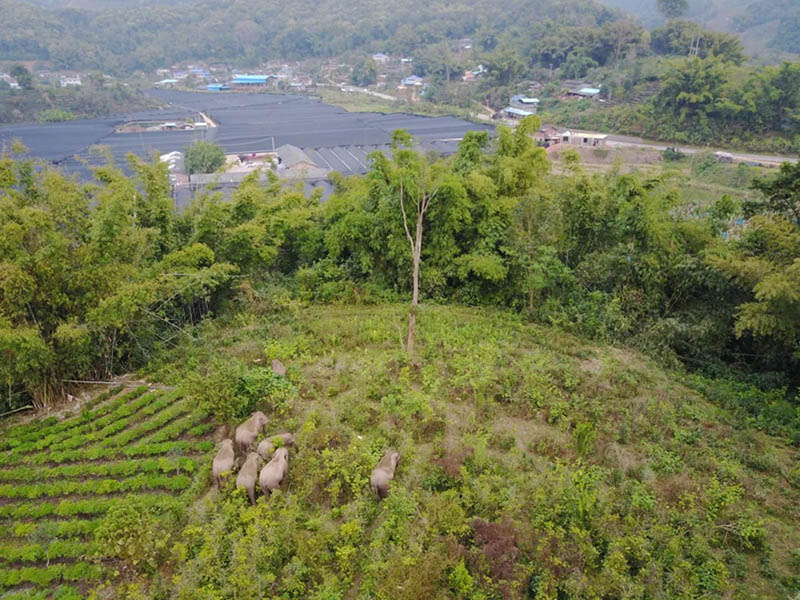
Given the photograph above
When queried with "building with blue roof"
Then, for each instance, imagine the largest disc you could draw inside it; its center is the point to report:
(250, 80)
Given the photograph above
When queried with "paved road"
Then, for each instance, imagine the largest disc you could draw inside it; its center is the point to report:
(627, 141)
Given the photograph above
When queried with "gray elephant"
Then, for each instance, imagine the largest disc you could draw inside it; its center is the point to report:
(278, 368)
(247, 432)
(274, 471)
(267, 445)
(223, 462)
(384, 473)
(248, 475)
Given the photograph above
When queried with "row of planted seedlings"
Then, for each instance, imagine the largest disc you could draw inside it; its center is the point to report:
(88, 421)
(39, 430)
(138, 431)
(149, 413)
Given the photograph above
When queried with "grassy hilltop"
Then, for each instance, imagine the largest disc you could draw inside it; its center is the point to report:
(534, 465)
(542, 455)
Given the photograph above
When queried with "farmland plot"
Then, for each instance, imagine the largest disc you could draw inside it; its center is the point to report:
(59, 478)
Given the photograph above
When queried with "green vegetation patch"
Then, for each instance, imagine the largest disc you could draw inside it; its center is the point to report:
(143, 448)
(533, 465)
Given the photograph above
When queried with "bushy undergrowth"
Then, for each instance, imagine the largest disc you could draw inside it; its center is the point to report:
(532, 466)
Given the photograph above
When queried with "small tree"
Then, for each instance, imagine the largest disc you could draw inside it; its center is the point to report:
(23, 76)
(417, 184)
(365, 74)
(204, 157)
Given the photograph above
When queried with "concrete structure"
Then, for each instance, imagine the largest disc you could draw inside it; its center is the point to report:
(584, 139)
(549, 135)
(70, 81)
(176, 162)
(293, 162)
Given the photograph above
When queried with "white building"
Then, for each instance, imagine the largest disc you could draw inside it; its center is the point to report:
(71, 81)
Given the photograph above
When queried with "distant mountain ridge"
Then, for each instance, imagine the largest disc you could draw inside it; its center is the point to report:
(766, 27)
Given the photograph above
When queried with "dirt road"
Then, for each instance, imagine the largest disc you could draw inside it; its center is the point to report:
(626, 141)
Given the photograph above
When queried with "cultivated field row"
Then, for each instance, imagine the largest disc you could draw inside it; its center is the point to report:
(59, 478)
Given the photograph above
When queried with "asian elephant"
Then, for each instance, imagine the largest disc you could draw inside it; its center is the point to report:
(383, 473)
(247, 432)
(247, 476)
(223, 462)
(274, 471)
(278, 368)
(267, 445)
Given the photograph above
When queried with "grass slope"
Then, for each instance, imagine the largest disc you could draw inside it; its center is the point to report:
(59, 477)
(534, 465)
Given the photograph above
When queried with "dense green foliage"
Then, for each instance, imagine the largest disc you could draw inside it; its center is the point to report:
(92, 276)
(700, 100)
(146, 36)
(76, 514)
(610, 256)
(524, 450)
(532, 466)
(203, 157)
(47, 102)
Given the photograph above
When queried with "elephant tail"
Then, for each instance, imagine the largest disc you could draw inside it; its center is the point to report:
(252, 493)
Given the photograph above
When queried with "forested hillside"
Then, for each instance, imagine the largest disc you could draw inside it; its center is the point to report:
(126, 38)
(765, 26)
(596, 395)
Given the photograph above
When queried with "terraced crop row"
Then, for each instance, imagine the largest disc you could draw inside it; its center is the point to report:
(143, 448)
(146, 481)
(80, 571)
(36, 430)
(119, 407)
(82, 506)
(48, 529)
(57, 549)
(64, 592)
(106, 469)
(56, 487)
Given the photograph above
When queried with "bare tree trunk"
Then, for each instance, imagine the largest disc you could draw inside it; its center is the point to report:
(416, 255)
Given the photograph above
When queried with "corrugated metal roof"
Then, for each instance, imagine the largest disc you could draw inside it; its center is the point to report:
(250, 78)
(517, 111)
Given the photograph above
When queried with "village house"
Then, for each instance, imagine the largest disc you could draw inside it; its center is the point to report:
(548, 135)
(249, 81)
(579, 89)
(516, 113)
(293, 162)
(525, 102)
(70, 81)
(380, 58)
(584, 139)
(413, 81)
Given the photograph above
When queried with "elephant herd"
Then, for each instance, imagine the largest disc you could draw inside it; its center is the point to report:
(236, 452)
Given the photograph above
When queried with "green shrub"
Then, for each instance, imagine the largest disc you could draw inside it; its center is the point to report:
(131, 532)
(584, 438)
(230, 391)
